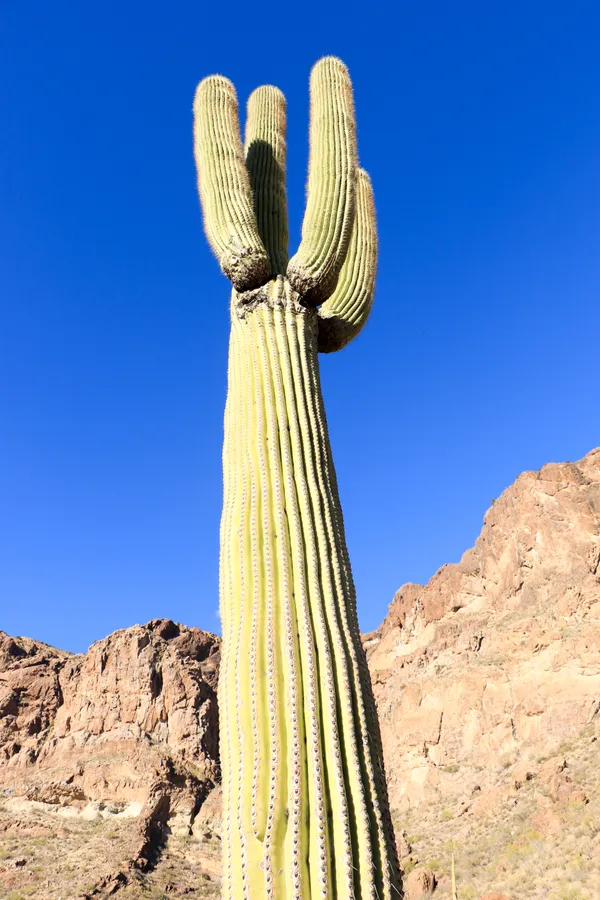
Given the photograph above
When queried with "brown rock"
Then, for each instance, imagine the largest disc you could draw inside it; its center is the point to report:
(495, 896)
(208, 820)
(547, 822)
(419, 883)
(551, 769)
(99, 731)
(554, 775)
(403, 848)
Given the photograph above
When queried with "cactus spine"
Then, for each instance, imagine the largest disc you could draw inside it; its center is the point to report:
(305, 802)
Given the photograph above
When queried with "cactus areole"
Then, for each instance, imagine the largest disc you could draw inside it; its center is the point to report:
(305, 803)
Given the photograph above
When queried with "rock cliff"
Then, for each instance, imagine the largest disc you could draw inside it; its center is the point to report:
(127, 732)
(498, 656)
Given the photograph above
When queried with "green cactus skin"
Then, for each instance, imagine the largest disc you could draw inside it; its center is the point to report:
(265, 160)
(344, 314)
(305, 800)
(331, 183)
(224, 187)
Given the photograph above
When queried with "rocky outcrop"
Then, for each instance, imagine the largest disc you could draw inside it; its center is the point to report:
(497, 658)
(104, 732)
(419, 883)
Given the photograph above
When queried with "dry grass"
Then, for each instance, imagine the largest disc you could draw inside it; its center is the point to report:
(503, 851)
(64, 858)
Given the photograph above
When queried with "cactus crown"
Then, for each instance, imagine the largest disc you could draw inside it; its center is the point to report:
(242, 191)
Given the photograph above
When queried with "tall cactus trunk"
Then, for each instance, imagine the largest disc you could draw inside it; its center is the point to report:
(304, 806)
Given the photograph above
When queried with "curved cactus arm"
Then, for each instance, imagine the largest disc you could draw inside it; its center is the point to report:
(348, 308)
(224, 187)
(265, 151)
(332, 166)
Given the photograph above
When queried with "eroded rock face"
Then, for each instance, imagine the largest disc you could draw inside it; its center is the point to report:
(497, 658)
(30, 696)
(108, 729)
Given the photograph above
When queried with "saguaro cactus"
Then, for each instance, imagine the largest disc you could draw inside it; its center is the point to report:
(305, 803)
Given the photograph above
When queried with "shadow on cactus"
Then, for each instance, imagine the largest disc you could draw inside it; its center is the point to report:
(305, 802)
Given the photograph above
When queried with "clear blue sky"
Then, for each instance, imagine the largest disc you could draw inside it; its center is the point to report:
(480, 125)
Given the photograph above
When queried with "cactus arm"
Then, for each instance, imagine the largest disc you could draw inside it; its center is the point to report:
(224, 186)
(265, 151)
(344, 314)
(331, 183)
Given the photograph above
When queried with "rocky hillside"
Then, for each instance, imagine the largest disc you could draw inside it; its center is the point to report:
(102, 755)
(488, 686)
(487, 681)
